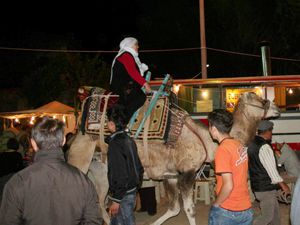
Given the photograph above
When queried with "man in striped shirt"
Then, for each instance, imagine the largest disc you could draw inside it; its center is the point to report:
(264, 176)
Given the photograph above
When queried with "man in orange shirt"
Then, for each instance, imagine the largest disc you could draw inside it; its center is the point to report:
(233, 205)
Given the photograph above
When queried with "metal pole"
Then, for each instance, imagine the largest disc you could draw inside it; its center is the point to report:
(203, 41)
(266, 62)
(266, 58)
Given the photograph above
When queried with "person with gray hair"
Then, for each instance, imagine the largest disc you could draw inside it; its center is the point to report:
(50, 191)
(127, 77)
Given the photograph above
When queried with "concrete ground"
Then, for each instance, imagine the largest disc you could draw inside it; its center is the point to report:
(202, 210)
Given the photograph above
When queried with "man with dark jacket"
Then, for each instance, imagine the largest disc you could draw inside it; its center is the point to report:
(125, 171)
(50, 191)
(264, 176)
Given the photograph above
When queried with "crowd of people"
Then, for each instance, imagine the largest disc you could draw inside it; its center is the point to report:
(51, 191)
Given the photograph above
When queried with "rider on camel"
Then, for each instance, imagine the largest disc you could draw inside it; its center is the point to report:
(127, 77)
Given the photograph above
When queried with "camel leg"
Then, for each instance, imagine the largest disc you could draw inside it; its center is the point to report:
(98, 174)
(173, 196)
(185, 184)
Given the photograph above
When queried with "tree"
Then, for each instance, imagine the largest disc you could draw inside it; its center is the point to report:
(59, 76)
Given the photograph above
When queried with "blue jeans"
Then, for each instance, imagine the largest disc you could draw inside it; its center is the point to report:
(220, 216)
(125, 215)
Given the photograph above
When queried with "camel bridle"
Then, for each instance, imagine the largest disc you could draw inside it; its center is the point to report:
(266, 106)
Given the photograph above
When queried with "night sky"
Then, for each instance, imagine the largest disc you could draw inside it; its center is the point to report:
(238, 26)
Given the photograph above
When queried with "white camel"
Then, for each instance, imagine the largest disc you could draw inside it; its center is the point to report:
(182, 160)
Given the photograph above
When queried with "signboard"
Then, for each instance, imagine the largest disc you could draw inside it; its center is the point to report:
(232, 96)
(204, 106)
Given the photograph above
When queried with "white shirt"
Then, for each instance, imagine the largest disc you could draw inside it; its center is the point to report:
(267, 159)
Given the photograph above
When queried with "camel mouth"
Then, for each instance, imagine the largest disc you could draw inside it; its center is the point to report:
(275, 116)
(277, 113)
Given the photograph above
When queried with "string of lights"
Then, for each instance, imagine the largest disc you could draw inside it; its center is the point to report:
(145, 51)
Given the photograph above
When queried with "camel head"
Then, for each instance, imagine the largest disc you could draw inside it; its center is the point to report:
(253, 106)
(249, 111)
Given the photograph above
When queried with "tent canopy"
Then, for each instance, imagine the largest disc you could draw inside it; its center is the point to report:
(50, 109)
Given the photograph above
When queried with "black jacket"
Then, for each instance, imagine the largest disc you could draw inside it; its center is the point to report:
(121, 80)
(125, 171)
(50, 191)
(260, 180)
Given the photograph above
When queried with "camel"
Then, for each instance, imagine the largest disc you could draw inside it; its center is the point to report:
(178, 163)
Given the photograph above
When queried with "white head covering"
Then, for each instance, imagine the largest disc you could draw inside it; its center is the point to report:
(126, 45)
(128, 42)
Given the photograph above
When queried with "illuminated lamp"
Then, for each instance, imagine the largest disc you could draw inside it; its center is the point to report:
(204, 94)
(259, 90)
(32, 120)
(290, 91)
(176, 88)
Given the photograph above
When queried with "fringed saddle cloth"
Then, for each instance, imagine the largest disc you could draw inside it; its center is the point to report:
(163, 125)
(95, 99)
(158, 120)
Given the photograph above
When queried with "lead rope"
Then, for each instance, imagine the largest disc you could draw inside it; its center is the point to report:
(145, 143)
(103, 145)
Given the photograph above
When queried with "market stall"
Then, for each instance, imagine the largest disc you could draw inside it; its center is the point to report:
(53, 109)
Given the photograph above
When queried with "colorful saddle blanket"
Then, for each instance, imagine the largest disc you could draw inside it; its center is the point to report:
(93, 100)
(158, 117)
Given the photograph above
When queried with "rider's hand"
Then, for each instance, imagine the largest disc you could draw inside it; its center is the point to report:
(114, 209)
(147, 88)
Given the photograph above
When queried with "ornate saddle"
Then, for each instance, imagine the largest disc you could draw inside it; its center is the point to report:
(162, 126)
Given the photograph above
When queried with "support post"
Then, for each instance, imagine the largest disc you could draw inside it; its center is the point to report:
(266, 61)
(266, 58)
(203, 40)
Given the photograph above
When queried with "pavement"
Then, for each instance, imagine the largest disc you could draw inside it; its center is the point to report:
(202, 210)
